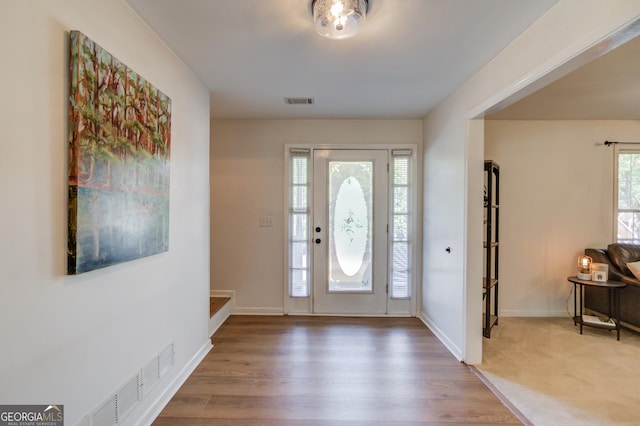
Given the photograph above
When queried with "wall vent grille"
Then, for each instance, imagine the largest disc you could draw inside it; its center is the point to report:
(107, 414)
(128, 397)
(166, 360)
(150, 375)
(299, 101)
(114, 410)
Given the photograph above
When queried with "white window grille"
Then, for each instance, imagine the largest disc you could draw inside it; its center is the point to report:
(299, 214)
(401, 225)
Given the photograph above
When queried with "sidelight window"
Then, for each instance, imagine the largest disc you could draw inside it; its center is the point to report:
(400, 225)
(299, 213)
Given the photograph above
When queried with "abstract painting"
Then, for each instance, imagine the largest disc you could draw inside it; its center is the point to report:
(119, 145)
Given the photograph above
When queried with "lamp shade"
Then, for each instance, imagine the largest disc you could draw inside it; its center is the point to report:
(584, 267)
(339, 19)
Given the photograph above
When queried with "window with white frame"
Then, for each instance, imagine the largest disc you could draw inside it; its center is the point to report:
(400, 225)
(299, 215)
(628, 196)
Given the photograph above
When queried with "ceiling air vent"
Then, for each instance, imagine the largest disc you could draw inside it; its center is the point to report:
(298, 101)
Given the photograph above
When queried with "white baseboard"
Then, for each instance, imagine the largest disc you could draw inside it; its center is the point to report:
(534, 314)
(257, 311)
(164, 397)
(455, 351)
(220, 317)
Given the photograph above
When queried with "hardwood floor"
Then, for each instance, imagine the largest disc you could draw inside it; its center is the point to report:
(326, 371)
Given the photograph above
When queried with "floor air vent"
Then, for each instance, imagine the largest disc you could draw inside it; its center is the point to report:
(298, 101)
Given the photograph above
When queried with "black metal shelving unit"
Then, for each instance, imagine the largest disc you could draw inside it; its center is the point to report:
(491, 245)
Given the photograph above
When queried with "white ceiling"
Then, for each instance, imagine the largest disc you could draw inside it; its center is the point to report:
(410, 56)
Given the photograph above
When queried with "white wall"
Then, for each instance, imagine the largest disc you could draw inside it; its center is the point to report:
(556, 199)
(74, 340)
(452, 293)
(247, 181)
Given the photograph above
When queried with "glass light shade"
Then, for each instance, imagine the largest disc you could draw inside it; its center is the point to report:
(584, 267)
(339, 19)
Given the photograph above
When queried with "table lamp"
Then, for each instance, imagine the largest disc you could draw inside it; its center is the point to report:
(584, 267)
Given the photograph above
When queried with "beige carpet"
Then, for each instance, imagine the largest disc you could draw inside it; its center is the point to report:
(555, 376)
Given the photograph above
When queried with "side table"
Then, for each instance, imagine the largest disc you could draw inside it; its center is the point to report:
(613, 288)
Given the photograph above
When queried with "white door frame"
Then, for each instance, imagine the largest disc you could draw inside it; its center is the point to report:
(395, 307)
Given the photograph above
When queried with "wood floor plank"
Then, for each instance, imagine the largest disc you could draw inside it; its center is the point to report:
(217, 385)
(186, 405)
(346, 388)
(325, 371)
(177, 421)
(281, 368)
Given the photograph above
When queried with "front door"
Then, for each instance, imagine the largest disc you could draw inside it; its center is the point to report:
(349, 232)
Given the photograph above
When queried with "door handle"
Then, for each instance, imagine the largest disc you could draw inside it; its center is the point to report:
(318, 229)
(318, 240)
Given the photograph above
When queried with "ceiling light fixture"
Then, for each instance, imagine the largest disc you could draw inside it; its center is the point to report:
(339, 19)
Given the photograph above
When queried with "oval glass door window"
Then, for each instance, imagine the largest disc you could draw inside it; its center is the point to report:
(350, 225)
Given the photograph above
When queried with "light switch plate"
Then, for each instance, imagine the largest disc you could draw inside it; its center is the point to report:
(266, 221)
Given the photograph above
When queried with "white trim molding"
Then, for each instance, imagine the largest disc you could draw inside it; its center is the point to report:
(450, 345)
